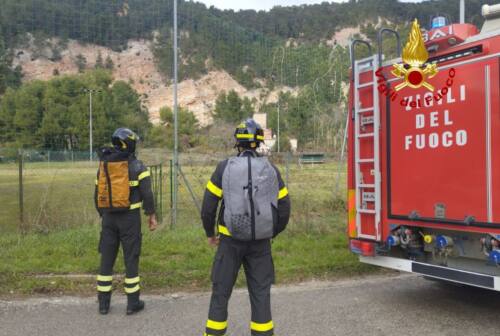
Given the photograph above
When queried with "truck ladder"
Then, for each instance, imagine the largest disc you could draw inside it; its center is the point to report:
(360, 119)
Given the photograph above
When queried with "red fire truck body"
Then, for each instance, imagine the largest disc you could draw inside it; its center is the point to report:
(424, 166)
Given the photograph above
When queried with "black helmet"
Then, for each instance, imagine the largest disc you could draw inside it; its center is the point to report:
(249, 134)
(124, 140)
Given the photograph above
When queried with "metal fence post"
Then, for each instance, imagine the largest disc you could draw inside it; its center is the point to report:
(172, 220)
(21, 192)
(161, 192)
(287, 167)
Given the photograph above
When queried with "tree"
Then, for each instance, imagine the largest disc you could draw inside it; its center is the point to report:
(99, 62)
(8, 77)
(109, 63)
(162, 135)
(81, 62)
(247, 109)
(28, 114)
(231, 108)
(55, 114)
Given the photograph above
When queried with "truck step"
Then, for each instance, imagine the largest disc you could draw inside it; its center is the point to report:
(366, 160)
(360, 86)
(366, 109)
(366, 211)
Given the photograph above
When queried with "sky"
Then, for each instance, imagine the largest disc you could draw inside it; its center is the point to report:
(263, 4)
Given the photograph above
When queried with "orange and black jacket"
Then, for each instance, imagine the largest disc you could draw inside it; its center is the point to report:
(213, 195)
(141, 194)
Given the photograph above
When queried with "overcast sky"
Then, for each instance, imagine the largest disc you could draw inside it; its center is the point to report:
(263, 4)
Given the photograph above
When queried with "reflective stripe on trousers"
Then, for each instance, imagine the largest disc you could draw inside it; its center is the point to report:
(120, 228)
(215, 328)
(256, 258)
(104, 283)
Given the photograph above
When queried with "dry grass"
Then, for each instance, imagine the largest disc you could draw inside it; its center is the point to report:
(62, 230)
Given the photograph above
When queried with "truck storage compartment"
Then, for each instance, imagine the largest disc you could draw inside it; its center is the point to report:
(442, 147)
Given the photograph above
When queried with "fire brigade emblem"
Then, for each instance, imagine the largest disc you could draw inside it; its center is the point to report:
(414, 71)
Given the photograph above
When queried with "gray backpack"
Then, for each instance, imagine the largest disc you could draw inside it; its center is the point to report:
(250, 188)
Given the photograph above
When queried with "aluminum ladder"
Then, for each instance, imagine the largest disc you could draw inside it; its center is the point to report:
(360, 119)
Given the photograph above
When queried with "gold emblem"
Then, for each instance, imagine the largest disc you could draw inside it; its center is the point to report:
(414, 71)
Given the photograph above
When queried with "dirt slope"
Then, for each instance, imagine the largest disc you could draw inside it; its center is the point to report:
(136, 65)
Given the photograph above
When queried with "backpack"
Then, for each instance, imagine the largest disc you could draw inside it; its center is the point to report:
(250, 191)
(113, 187)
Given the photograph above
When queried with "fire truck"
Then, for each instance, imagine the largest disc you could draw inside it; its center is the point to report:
(424, 152)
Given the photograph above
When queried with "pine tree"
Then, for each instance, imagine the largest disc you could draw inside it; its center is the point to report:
(109, 63)
(81, 62)
(99, 62)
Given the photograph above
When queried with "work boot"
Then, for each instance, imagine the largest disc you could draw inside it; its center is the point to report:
(134, 305)
(104, 302)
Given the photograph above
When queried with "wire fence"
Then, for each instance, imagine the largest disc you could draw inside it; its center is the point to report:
(42, 196)
(298, 83)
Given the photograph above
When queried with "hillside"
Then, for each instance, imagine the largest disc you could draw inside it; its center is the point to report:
(135, 65)
(290, 60)
(232, 41)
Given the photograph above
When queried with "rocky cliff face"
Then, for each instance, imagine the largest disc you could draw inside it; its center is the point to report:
(136, 66)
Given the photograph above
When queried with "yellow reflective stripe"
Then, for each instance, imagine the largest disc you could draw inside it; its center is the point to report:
(144, 175)
(132, 290)
(283, 193)
(216, 325)
(260, 137)
(133, 183)
(262, 326)
(130, 281)
(135, 206)
(104, 288)
(96, 182)
(104, 278)
(214, 189)
(351, 217)
(244, 136)
(222, 229)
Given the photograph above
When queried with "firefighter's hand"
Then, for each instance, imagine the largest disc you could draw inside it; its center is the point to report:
(213, 241)
(153, 224)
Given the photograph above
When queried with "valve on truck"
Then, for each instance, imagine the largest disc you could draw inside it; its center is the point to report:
(494, 257)
(491, 248)
(443, 248)
(428, 239)
(443, 242)
(393, 240)
(406, 239)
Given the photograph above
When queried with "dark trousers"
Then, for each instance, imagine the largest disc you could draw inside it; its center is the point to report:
(259, 270)
(120, 228)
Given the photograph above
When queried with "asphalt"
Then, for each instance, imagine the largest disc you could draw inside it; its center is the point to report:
(395, 305)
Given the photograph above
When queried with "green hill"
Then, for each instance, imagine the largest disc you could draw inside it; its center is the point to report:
(231, 39)
(286, 46)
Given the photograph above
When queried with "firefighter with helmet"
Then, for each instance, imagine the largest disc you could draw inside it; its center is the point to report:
(123, 186)
(255, 207)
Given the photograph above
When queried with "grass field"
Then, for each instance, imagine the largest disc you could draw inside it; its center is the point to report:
(58, 252)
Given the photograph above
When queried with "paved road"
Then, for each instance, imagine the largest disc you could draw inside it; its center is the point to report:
(399, 305)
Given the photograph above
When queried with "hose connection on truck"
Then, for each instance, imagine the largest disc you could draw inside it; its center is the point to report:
(408, 239)
(491, 249)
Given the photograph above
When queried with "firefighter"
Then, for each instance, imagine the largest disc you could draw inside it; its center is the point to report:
(123, 186)
(255, 207)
